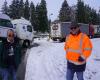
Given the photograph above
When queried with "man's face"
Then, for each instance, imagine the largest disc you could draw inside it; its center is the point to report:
(74, 30)
(10, 36)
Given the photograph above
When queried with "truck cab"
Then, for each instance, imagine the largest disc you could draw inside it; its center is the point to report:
(5, 25)
(24, 31)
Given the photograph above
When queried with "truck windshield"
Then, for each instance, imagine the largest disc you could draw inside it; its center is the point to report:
(29, 28)
(5, 23)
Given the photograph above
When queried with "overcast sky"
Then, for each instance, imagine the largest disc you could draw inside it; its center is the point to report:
(53, 6)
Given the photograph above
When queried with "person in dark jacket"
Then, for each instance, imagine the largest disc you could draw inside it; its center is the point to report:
(10, 56)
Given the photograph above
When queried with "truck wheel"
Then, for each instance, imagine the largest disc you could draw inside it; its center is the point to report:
(62, 40)
(54, 39)
(26, 43)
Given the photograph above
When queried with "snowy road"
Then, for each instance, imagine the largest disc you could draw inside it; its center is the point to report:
(47, 62)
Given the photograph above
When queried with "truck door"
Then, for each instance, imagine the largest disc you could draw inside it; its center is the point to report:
(29, 32)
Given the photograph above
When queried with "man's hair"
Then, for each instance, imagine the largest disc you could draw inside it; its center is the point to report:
(10, 30)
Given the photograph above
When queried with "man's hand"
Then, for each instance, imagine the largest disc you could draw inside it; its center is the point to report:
(80, 59)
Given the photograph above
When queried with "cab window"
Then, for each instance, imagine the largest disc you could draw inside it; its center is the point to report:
(5, 23)
(29, 28)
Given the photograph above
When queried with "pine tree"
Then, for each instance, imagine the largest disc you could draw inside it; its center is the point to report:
(5, 8)
(32, 15)
(21, 8)
(99, 17)
(26, 10)
(80, 12)
(93, 16)
(17, 9)
(43, 17)
(87, 14)
(37, 20)
(65, 11)
(14, 9)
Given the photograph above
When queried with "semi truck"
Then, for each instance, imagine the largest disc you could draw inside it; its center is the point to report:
(59, 30)
(97, 31)
(5, 25)
(24, 31)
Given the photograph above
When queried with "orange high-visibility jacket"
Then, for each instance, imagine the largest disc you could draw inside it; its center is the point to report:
(77, 45)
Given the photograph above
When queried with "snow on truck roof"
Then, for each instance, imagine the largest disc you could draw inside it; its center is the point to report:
(21, 21)
(4, 16)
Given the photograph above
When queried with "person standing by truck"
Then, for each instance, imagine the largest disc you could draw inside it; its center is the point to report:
(10, 56)
(78, 48)
(91, 30)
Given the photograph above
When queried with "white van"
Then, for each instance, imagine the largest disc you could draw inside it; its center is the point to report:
(24, 30)
(5, 25)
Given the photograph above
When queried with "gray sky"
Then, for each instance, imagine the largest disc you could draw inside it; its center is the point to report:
(53, 6)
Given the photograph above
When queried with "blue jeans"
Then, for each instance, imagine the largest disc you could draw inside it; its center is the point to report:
(6, 72)
(70, 75)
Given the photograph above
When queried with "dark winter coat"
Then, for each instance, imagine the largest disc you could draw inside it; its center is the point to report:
(5, 59)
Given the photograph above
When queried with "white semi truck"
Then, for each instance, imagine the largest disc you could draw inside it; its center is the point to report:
(5, 25)
(24, 31)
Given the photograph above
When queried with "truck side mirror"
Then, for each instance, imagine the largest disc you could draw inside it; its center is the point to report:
(14, 26)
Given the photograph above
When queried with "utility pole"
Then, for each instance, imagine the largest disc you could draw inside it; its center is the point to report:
(49, 24)
(30, 12)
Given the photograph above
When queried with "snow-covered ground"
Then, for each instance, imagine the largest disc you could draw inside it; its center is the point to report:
(47, 62)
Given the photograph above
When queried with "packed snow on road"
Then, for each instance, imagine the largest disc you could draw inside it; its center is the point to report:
(47, 61)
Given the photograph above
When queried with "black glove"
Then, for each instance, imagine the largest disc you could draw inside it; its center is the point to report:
(80, 59)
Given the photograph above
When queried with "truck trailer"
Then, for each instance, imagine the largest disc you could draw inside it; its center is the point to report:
(60, 30)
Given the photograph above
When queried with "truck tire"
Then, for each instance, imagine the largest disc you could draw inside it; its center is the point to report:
(26, 43)
(62, 40)
(54, 39)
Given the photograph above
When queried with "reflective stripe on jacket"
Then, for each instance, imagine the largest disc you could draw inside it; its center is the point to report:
(75, 46)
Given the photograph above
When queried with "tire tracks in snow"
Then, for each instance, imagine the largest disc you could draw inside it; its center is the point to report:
(55, 67)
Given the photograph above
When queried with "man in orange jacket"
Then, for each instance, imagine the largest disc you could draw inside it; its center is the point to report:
(78, 48)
